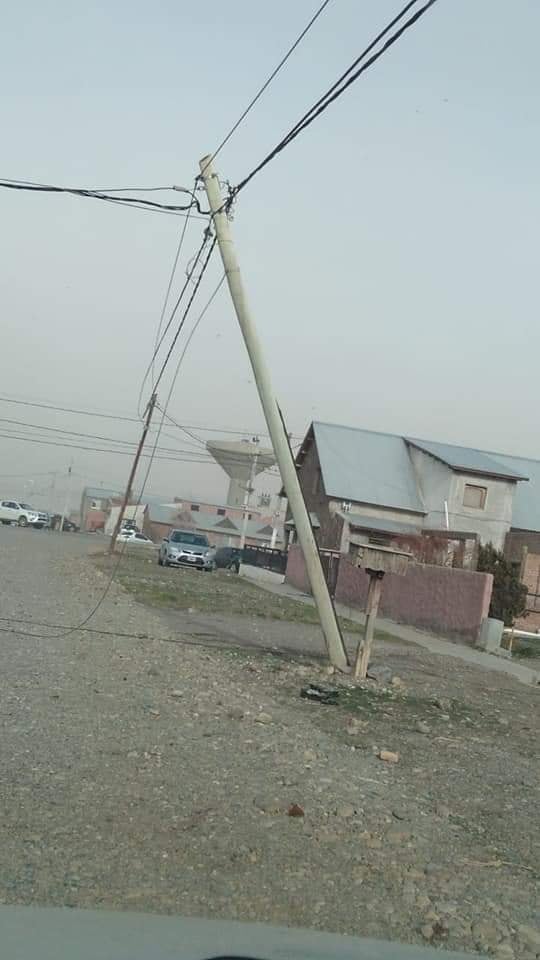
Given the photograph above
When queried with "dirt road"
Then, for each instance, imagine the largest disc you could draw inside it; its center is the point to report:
(142, 773)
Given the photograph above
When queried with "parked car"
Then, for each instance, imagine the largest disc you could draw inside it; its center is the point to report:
(130, 525)
(228, 558)
(188, 549)
(133, 536)
(13, 511)
(68, 525)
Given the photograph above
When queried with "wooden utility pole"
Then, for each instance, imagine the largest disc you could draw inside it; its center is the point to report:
(66, 501)
(278, 435)
(149, 411)
(372, 606)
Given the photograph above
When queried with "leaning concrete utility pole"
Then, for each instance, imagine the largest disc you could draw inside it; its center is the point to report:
(280, 441)
(149, 411)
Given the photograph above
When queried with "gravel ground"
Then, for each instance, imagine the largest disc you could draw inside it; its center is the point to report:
(145, 773)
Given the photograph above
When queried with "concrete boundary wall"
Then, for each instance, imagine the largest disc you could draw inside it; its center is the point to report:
(451, 603)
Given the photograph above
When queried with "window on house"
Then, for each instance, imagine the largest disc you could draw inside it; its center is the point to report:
(221, 512)
(316, 486)
(474, 496)
(250, 516)
(195, 507)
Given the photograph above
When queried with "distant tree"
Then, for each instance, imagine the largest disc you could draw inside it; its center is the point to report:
(509, 596)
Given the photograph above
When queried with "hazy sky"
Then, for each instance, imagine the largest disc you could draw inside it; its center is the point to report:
(390, 253)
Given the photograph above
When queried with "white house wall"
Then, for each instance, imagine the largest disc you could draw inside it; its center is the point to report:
(439, 483)
(491, 523)
(435, 482)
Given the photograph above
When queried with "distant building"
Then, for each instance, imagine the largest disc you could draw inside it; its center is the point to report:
(221, 530)
(155, 516)
(95, 507)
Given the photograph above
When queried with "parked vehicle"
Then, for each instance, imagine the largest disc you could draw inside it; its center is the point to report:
(133, 536)
(13, 511)
(68, 526)
(228, 558)
(188, 549)
(130, 525)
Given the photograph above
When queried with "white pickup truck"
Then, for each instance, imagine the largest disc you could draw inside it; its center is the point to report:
(13, 511)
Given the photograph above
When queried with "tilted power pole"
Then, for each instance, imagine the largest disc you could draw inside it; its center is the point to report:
(149, 411)
(278, 435)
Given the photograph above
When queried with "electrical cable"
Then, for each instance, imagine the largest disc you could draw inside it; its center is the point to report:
(267, 82)
(190, 301)
(191, 455)
(92, 436)
(194, 328)
(152, 456)
(157, 347)
(166, 300)
(340, 85)
(184, 641)
(166, 454)
(83, 413)
(113, 416)
(96, 195)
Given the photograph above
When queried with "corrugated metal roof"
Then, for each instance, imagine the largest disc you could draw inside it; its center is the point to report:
(359, 520)
(367, 467)
(160, 513)
(468, 460)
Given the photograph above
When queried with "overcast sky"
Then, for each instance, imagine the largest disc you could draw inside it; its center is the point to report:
(390, 253)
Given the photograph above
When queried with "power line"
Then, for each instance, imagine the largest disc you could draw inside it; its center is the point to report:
(186, 311)
(166, 301)
(164, 454)
(88, 436)
(84, 413)
(35, 187)
(163, 415)
(339, 87)
(190, 457)
(203, 428)
(194, 328)
(27, 473)
(157, 347)
(267, 82)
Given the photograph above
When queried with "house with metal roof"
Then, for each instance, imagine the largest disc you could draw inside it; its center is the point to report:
(385, 486)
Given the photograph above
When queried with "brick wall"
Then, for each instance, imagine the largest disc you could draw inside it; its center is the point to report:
(443, 600)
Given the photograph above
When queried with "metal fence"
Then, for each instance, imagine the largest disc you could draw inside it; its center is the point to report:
(266, 557)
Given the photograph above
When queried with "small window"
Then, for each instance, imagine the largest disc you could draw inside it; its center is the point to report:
(250, 516)
(221, 512)
(316, 486)
(474, 496)
(195, 507)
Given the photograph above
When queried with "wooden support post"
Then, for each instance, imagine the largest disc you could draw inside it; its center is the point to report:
(364, 647)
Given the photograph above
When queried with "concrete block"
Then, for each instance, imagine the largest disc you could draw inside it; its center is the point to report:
(491, 633)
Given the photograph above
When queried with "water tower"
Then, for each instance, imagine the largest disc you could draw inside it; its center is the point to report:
(241, 460)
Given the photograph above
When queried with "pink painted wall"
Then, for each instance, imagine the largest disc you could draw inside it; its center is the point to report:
(443, 600)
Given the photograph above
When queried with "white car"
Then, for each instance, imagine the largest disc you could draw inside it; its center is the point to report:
(133, 536)
(13, 511)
